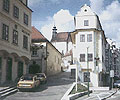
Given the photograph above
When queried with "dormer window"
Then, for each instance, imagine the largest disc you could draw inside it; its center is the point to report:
(86, 23)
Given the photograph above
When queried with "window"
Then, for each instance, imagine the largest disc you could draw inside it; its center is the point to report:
(89, 38)
(86, 22)
(82, 57)
(15, 37)
(34, 52)
(90, 57)
(5, 32)
(82, 38)
(25, 42)
(86, 76)
(6, 4)
(26, 19)
(16, 12)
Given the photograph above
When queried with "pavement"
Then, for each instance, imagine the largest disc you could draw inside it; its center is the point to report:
(99, 95)
(115, 96)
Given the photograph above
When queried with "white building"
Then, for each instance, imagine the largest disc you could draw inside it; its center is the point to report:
(62, 41)
(89, 34)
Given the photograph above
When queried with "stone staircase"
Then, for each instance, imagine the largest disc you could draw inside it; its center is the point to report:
(5, 91)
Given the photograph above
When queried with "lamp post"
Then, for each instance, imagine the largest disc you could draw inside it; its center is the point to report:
(88, 70)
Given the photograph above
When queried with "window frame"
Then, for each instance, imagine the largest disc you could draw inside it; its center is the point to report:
(82, 57)
(34, 52)
(6, 5)
(82, 38)
(86, 22)
(26, 19)
(15, 37)
(25, 42)
(5, 32)
(16, 11)
(90, 57)
(89, 37)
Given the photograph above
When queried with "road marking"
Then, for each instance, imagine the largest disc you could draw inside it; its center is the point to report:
(98, 97)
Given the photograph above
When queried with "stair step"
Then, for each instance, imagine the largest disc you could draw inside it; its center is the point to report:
(6, 90)
(10, 92)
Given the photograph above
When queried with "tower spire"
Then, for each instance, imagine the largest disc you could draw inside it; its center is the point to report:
(54, 31)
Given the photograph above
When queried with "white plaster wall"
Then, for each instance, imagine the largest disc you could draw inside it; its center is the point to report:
(60, 46)
(94, 79)
(80, 22)
(81, 48)
(70, 46)
(86, 15)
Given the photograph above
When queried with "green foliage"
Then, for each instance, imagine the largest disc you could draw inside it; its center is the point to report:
(34, 68)
(81, 88)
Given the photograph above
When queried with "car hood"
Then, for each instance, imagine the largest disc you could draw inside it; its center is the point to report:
(25, 82)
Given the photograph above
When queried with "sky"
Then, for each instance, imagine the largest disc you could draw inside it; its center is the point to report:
(47, 13)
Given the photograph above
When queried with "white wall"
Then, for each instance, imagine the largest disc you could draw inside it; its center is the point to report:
(81, 48)
(60, 46)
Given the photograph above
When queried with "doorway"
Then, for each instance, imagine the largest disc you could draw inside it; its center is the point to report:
(20, 69)
(9, 69)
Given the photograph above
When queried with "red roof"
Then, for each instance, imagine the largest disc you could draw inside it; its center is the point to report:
(36, 34)
(61, 37)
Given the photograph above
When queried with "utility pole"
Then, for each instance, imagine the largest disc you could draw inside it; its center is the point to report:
(88, 71)
(76, 75)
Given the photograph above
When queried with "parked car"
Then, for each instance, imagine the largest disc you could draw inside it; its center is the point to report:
(42, 77)
(28, 81)
(117, 83)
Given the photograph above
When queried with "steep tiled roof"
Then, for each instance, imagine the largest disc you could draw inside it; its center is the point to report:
(60, 37)
(37, 35)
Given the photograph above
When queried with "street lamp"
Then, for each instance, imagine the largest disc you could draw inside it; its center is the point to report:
(88, 70)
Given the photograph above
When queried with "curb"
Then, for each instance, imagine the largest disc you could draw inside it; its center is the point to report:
(65, 97)
(74, 96)
(109, 95)
(77, 95)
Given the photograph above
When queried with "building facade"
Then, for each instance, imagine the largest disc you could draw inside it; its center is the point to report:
(89, 46)
(62, 41)
(45, 55)
(15, 33)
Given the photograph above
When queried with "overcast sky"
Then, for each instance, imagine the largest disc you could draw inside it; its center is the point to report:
(46, 13)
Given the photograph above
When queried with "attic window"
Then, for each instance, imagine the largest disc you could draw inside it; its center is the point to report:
(85, 10)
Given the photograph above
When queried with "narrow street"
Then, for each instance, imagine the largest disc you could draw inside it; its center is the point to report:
(54, 89)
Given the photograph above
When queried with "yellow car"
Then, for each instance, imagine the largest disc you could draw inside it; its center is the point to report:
(28, 81)
(42, 77)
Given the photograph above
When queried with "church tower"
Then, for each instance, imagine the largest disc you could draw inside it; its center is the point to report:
(54, 33)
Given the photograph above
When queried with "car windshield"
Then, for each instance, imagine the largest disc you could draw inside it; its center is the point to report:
(27, 78)
(40, 75)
